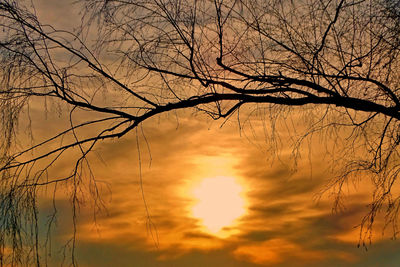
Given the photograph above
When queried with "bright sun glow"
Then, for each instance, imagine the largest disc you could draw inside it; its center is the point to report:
(219, 202)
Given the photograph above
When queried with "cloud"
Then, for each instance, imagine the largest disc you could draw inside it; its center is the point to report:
(284, 224)
(275, 251)
(114, 254)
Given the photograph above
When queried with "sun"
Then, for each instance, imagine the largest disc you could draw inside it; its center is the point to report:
(219, 202)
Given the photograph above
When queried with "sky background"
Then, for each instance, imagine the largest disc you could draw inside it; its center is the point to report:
(285, 220)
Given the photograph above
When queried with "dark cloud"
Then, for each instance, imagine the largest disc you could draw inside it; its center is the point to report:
(198, 235)
(266, 210)
(113, 254)
(258, 236)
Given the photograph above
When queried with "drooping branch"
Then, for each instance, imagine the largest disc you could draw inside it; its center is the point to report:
(153, 57)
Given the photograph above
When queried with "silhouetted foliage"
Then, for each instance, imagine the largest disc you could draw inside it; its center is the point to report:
(152, 57)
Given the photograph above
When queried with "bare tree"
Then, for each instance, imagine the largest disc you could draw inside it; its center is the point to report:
(156, 56)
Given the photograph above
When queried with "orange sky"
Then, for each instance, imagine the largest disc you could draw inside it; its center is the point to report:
(282, 223)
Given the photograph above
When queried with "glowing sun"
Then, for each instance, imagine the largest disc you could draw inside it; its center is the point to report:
(219, 202)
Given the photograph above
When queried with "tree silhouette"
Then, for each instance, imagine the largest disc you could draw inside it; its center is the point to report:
(155, 56)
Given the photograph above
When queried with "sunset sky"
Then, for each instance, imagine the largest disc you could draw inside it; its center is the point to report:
(283, 221)
(184, 190)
